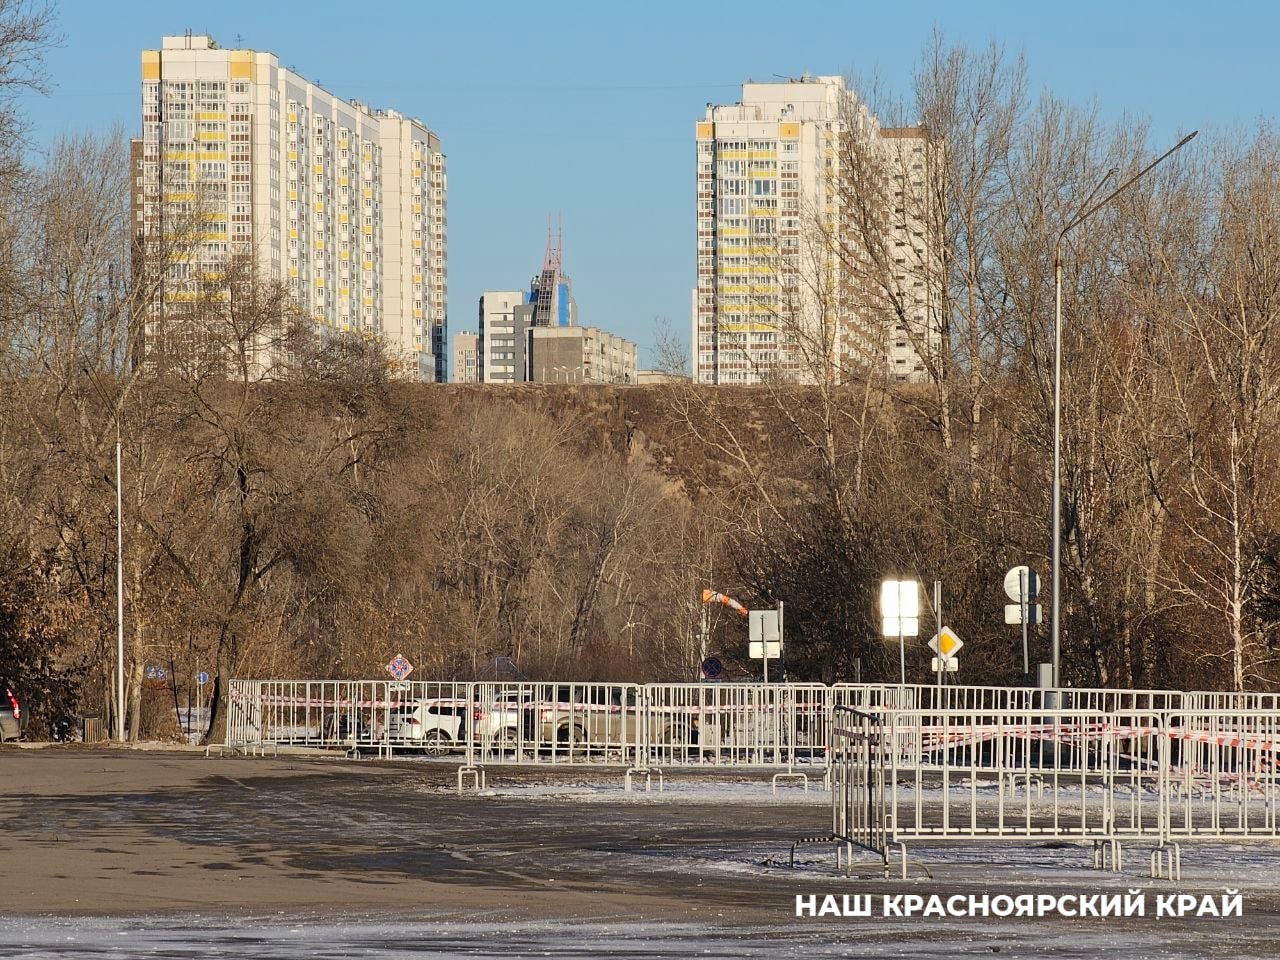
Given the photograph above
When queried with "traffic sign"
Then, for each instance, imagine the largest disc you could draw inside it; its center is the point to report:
(155, 673)
(202, 678)
(712, 667)
(945, 665)
(399, 667)
(764, 637)
(900, 608)
(1021, 579)
(1013, 613)
(946, 642)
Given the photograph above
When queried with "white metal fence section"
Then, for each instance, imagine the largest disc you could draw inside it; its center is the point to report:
(1112, 776)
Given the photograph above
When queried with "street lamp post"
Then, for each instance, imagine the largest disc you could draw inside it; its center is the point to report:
(1087, 209)
(119, 594)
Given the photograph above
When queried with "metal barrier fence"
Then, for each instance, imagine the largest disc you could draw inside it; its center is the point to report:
(1114, 776)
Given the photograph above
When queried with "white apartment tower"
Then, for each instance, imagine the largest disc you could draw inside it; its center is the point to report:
(343, 203)
(779, 291)
(502, 337)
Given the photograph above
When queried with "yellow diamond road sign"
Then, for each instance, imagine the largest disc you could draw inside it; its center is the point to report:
(946, 642)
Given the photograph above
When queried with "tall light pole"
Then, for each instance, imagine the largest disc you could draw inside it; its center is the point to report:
(119, 594)
(1087, 209)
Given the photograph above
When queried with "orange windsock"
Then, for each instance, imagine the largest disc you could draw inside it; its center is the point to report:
(710, 596)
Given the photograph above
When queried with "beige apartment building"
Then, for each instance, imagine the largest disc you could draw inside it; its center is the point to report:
(466, 358)
(343, 203)
(580, 355)
(786, 259)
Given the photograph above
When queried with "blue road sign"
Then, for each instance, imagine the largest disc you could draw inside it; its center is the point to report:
(202, 678)
(155, 673)
(712, 667)
(399, 667)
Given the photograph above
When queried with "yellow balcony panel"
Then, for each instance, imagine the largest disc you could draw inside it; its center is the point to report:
(293, 116)
(417, 278)
(319, 206)
(178, 196)
(417, 208)
(211, 115)
(344, 256)
(705, 129)
(241, 64)
(342, 181)
(319, 244)
(789, 130)
(293, 234)
(367, 192)
(368, 231)
(293, 271)
(344, 292)
(368, 264)
(211, 136)
(319, 281)
(179, 155)
(417, 311)
(417, 244)
(732, 155)
(318, 168)
(150, 64)
(293, 154)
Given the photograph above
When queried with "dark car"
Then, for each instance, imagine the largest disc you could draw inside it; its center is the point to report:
(10, 714)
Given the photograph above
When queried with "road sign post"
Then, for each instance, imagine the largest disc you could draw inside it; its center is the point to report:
(1022, 585)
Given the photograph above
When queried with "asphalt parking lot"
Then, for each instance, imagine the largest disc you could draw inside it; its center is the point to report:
(544, 861)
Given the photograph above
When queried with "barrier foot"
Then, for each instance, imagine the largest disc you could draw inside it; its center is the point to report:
(648, 773)
(902, 847)
(1108, 855)
(1166, 862)
(790, 777)
(823, 839)
(479, 780)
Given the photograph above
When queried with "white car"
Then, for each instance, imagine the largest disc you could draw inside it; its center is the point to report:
(433, 726)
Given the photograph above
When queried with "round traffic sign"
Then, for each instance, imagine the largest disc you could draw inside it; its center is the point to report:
(712, 667)
(202, 678)
(1015, 578)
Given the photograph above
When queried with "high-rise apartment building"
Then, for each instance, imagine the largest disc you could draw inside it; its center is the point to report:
(342, 203)
(466, 358)
(784, 255)
(502, 338)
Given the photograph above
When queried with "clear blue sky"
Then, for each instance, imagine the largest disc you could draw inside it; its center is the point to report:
(588, 107)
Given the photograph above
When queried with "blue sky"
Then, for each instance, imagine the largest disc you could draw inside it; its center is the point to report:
(588, 107)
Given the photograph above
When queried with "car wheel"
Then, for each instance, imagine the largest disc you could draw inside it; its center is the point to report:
(571, 736)
(435, 743)
(507, 740)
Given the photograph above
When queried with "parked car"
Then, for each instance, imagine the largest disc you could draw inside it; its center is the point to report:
(10, 714)
(433, 726)
(601, 717)
(500, 724)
